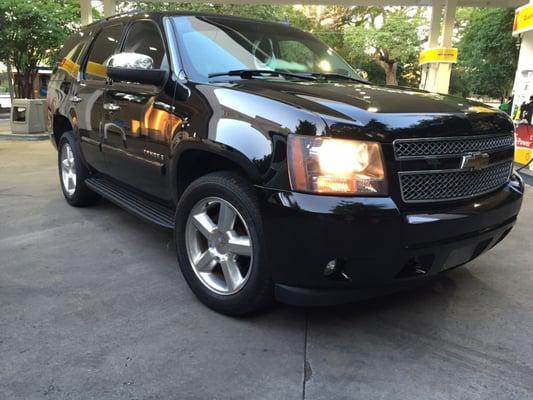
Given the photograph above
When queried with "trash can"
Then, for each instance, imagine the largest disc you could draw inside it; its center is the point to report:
(28, 116)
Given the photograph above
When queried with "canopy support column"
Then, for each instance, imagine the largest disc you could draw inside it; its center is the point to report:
(429, 71)
(110, 7)
(86, 12)
(436, 75)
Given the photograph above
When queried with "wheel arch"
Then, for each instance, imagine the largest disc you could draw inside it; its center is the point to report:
(193, 159)
(60, 125)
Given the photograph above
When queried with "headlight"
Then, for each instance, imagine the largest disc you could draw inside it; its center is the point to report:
(335, 166)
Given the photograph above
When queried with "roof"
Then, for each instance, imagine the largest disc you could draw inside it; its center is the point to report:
(159, 14)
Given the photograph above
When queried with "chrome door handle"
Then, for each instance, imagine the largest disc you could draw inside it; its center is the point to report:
(111, 107)
(75, 99)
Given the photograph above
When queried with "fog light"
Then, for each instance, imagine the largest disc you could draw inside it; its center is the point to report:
(330, 268)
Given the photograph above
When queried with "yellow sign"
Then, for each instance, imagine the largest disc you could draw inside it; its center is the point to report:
(523, 19)
(438, 55)
(522, 155)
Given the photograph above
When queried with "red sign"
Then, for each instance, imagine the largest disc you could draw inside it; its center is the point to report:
(524, 136)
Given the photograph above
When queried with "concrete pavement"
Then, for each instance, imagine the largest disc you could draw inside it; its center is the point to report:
(6, 134)
(92, 306)
(5, 123)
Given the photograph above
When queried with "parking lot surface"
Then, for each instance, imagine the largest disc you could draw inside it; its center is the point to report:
(92, 306)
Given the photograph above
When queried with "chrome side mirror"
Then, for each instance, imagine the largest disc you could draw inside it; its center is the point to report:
(136, 68)
(130, 61)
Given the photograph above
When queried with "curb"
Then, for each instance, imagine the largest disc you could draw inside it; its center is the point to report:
(23, 136)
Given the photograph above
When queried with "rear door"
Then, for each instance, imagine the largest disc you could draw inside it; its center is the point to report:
(65, 76)
(88, 96)
(137, 124)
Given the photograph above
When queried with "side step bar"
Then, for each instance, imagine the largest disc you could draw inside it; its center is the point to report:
(132, 202)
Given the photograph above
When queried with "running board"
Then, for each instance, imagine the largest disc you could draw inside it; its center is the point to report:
(132, 202)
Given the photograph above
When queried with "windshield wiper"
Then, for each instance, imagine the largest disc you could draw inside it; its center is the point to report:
(332, 76)
(249, 73)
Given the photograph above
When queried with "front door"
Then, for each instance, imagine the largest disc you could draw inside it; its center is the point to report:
(88, 95)
(137, 124)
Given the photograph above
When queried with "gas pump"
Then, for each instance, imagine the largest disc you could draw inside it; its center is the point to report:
(522, 109)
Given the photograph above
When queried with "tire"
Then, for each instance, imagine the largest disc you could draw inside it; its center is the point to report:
(249, 287)
(73, 172)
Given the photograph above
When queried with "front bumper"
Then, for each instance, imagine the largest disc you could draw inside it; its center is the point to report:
(378, 247)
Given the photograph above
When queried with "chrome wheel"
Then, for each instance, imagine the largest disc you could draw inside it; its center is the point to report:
(219, 245)
(68, 170)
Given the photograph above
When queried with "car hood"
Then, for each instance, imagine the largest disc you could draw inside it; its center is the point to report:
(382, 112)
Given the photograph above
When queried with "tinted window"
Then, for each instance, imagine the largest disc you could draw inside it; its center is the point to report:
(70, 62)
(103, 47)
(72, 42)
(74, 54)
(144, 38)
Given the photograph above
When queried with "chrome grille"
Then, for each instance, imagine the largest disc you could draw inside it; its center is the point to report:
(425, 186)
(438, 147)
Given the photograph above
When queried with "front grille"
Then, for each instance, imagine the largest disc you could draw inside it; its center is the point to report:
(424, 186)
(421, 148)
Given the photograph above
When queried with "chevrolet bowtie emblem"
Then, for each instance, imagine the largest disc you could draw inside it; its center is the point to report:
(475, 161)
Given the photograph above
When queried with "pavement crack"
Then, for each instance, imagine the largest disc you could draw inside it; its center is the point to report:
(307, 371)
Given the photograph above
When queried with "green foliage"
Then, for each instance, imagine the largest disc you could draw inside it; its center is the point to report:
(31, 31)
(487, 54)
(459, 82)
(264, 12)
(398, 36)
(396, 41)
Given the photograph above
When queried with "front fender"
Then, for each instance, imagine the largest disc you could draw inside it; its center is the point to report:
(248, 129)
(233, 155)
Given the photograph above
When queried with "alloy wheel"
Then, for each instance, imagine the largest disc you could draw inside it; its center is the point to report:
(68, 170)
(219, 245)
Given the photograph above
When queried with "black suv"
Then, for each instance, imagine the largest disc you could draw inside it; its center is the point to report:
(283, 173)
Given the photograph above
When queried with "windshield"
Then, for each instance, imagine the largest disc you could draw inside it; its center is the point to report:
(211, 45)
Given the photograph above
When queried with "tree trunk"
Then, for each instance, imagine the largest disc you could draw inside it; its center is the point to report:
(28, 84)
(390, 74)
(10, 81)
(25, 80)
(389, 66)
(19, 92)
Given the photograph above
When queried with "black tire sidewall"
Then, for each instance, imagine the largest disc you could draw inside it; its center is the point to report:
(232, 189)
(82, 195)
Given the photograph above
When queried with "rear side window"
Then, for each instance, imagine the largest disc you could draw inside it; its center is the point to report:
(70, 62)
(144, 38)
(103, 47)
(71, 43)
(74, 54)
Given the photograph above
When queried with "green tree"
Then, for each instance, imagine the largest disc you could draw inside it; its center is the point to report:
(488, 54)
(31, 32)
(394, 46)
(264, 12)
